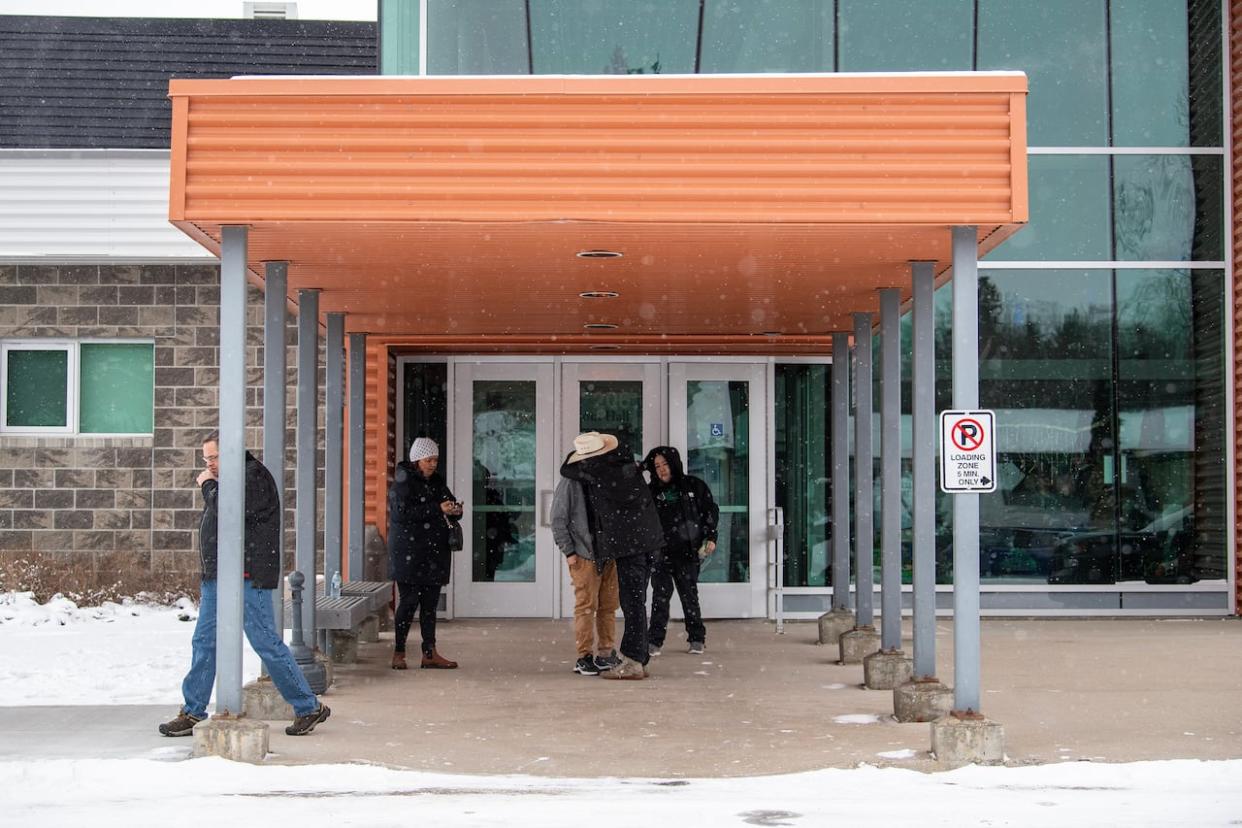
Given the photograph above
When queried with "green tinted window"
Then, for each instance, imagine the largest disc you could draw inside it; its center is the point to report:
(117, 387)
(37, 394)
(613, 407)
(619, 37)
(923, 37)
(465, 37)
(1150, 73)
(1069, 211)
(1168, 207)
(1061, 45)
(767, 36)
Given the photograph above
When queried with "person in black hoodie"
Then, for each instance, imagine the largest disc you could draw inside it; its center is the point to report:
(689, 515)
(420, 511)
(262, 576)
(626, 529)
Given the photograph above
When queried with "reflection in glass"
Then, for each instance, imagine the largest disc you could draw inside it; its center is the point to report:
(425, 406)
(502, 520)
(924, 37)
(1168, 207)
(1150, 73)
(767, 36)
(613, 407)
(117, 388)
(1069, 211)
(718, 452)
(593, 37)
(466, 37)
(802, 464)
(1062, 47)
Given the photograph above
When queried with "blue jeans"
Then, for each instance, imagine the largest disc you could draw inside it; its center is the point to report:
(261, 633)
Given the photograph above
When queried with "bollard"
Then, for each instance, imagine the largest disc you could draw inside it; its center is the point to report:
(303, 655)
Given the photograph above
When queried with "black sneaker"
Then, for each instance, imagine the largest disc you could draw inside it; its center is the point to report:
(305, 724)
(585, 666)
(183, 725)
(607, 662)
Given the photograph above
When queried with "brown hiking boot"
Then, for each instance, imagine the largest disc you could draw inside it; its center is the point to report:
(435, 661)
(630, 670)
(183, 725)
(398, 661)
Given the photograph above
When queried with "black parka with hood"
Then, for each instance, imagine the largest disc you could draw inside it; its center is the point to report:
(262, 527)
(418, 540)
(622, 516)
(688, 512)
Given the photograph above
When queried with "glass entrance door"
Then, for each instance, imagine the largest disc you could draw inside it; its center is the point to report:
(504, 473)
(716, 419)
(623, 399)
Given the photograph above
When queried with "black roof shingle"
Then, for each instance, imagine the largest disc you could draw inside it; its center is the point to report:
(102, 83)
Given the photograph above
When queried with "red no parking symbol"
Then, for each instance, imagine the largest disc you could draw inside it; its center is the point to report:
(967, 435)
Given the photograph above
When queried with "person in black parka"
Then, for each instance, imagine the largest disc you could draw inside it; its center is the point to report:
(625, 528)
(689, 515)
(420, 511)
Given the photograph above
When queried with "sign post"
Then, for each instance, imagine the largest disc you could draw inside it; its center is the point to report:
(967, 458)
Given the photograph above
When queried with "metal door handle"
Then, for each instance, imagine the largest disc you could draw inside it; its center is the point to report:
(545, 507)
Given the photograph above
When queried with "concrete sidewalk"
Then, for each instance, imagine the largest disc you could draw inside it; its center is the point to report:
(755, 703)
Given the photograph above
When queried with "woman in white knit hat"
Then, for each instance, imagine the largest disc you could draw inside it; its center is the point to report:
(420, 511)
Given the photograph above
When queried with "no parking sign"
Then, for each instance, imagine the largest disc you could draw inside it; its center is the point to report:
(967, 460)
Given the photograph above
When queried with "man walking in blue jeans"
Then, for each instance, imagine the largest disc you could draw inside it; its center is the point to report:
(262, 574)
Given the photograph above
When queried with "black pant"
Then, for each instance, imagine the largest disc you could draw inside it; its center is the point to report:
(632, 575)
(425, 599)
(684, 574)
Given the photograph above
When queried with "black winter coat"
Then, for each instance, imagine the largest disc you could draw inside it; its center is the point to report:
(418, 543)
(687, 510)
(262, 527)
(623, 518)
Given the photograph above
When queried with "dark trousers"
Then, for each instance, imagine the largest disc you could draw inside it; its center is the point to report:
(633, 573)
(425, 599)
(684, 575)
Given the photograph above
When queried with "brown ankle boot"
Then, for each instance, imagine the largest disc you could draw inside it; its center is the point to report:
(435, 661)
(398, 661)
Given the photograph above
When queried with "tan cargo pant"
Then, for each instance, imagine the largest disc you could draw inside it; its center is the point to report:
(595, 606)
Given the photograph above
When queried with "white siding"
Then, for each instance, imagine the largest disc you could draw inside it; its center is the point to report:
(105, 205)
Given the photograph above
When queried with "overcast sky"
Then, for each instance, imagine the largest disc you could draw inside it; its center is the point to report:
(307, 9)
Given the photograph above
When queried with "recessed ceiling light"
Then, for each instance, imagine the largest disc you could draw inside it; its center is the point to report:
(599, 254)
(605, 347)
(600, 326)
(599, 294)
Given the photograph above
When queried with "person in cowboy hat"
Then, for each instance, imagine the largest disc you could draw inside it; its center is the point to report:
(626, 530)
(420, 511)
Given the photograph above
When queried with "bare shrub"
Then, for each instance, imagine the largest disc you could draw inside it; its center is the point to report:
(46, 577)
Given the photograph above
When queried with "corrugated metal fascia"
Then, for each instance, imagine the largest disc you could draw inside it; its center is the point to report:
(99, 206)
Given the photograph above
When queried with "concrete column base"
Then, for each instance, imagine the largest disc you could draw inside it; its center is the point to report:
(887, 670)
(964, 740)
(833, 623)
(385, 619)
(858, 643)
(925, 700)
(343, 644)
(262, 702)
(368, 633)
(238, 739)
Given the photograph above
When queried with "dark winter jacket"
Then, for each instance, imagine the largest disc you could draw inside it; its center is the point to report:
(623, 518)
(687, 510)
(262, 527)
(418, 542)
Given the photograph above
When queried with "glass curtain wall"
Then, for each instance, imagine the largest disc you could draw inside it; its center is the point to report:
(1108, 378)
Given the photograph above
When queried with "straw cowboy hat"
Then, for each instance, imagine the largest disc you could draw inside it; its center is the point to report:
(592, 444)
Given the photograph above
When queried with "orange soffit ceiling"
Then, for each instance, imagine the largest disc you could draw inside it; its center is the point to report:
(760, 187)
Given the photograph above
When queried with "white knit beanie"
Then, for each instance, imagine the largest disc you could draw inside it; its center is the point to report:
(422, 448)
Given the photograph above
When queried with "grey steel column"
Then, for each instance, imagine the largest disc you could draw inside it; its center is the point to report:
(839, 427)
(890, 469)
(334, 446)
(864, 476)
(304, 472)
(231, 497)
(965, 506)
(357, 451)
(923, 451)
(275, 298)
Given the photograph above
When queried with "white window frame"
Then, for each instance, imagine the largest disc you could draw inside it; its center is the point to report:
(73, 390)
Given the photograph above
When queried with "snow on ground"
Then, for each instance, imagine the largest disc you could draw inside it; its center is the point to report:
(124, 793)
(131, 653)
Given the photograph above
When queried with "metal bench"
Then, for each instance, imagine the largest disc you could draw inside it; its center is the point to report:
(378, 593)
(344, 613)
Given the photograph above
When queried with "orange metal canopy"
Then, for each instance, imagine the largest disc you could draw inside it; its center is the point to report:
(755, 213)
